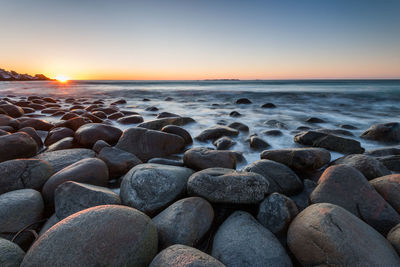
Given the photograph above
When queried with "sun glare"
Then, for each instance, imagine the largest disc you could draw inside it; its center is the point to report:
(62, 78)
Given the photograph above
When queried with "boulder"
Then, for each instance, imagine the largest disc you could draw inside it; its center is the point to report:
(243, 101)
(220, 185)
(200, 158)
(147, 144)
(394, 238)
(268, 105)
(99, 145)
(63, 158)
(258, 143)
(223, 143)
(216, 132)
(13, 111)
(32, 133)
(185, 222)
(389, 187)
(328, 235)
(346, 187)
(17, 145)
(384, 132)
(132, 119)
(152, 187)
(11, 255)
(302, 199)
(36, 124)
(6, 120)
(173, 129)
(299, 158)
(88, 134)
(158, 124)
(106, 235)
(184, 256)
(252, 245)
(57, 134)
(71, 197)
(24, 173)
(239, 126)
(65, 143)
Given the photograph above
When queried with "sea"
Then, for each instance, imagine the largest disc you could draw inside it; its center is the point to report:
(360, 103)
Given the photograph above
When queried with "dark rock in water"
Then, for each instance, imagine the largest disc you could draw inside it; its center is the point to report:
(253, 245)
(329, 141)
(385, 132)
(152, 108)
(394, 238)
(268, 105)
(13, 111)
(243, 101)
(328, 235)
(146, 100)
(2, 132)
(24, 173)
(119, 102)
(68, 116)
(118, 161)
(116, 115)
(164, 161)
(391, 162)
(93, 118)
(74, 123)
(224, 143)
(384, 151)
(302, 200)
(258, 143)
(6, 120)
(184, 256)
(65, 143)
(147, 144)
(11, 255)
(220, 185)
(100, 114)
(345, 186)
(315, 120)
(216, 132)
(36, 124)
(273, 133)
(276, 213)
(368, 166)
(389, 187)
(280, 177)
(63, 158)
(166, 115)
(17, 145)
(50, 110)
(335, 131)
(88, 134)
(299, 158)
(185, 222)
(19, 209)
(91, 171)
(348, 127)
(276, 124)
(99, 145)
(239, 126)
(235, 114)
(152, 187)
(130, 119)
(160, 123)
(168, 98)
(173, 129)
(81, 239)
(32, 133)
(71, 197)
(200, 158)
(57, 134)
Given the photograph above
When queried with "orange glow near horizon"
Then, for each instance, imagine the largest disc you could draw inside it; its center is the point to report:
(62, 78)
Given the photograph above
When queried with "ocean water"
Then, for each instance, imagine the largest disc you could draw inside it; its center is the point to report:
(360, 103)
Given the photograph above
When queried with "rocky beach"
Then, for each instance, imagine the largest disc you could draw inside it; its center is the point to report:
(200, 173)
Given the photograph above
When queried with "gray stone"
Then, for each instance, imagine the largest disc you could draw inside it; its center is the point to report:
(49, 223)
(32, 133)
(252, 245)
(151, 187)
(200, 158)
(389, 188)
(62, 158)
(57, 134)
(346, 187)
(160, 123)
(184, 222)
(385, 132)
(88, 134)
(107, 235)
(394, 238)
(71, 197)
(239, 126)
(328, 235)
(302, 200)
(184, 256)
(258, 143)
(219, 185)
(11, 255)
(132, 119)
(223, 143)
(17, 145)
(65, 143)
(173, 129)
(24, 173)
(216, 132)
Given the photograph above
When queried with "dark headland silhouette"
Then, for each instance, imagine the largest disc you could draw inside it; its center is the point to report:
(15, 76)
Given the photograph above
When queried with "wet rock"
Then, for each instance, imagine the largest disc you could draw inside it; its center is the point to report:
(63, 158)
(223, 143)
(348, 127)
(389, 187)
(147, 144)
(273, 133)
(164, 161)
(99, 145)
(36, 124)
(152, 187)
(302, 200)
(345, 186)
(281, 179)
(329, 141)
(74, 123)
(216, 132)
(385, 132)
(81, 239)
(118, 161)
(158, 124)
(57, 134)
(235, 114)
(65, 143)
(17, 145)
(100, 114)
(335, 131)
(68, 116)
(253, 245)
(220, 185)
(6, 120)
(327, 235)
(299, 158)
(130, 119)
(11, 255)
(243, 101)
(268, 105)
(119, 102)
(391, 162)
(384, 151)
(116, 115)
(71, 197)
(166, 115)
(368, 166)
(88, 134)
(13, 111)
(394, 238)
(276, 124)
(200, 158)
(32, 133)
(24, 173)
(173, 129)
(185, 222)
(315, 120)
(258, 143)
(152, 108)
(239, 126)
(184, 256)
(91, 171)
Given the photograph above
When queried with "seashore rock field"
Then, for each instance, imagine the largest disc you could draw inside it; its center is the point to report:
(77, 189)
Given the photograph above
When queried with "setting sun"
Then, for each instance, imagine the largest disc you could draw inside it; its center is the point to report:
(62, 78)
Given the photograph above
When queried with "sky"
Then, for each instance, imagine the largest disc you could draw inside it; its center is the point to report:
(190, 40)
